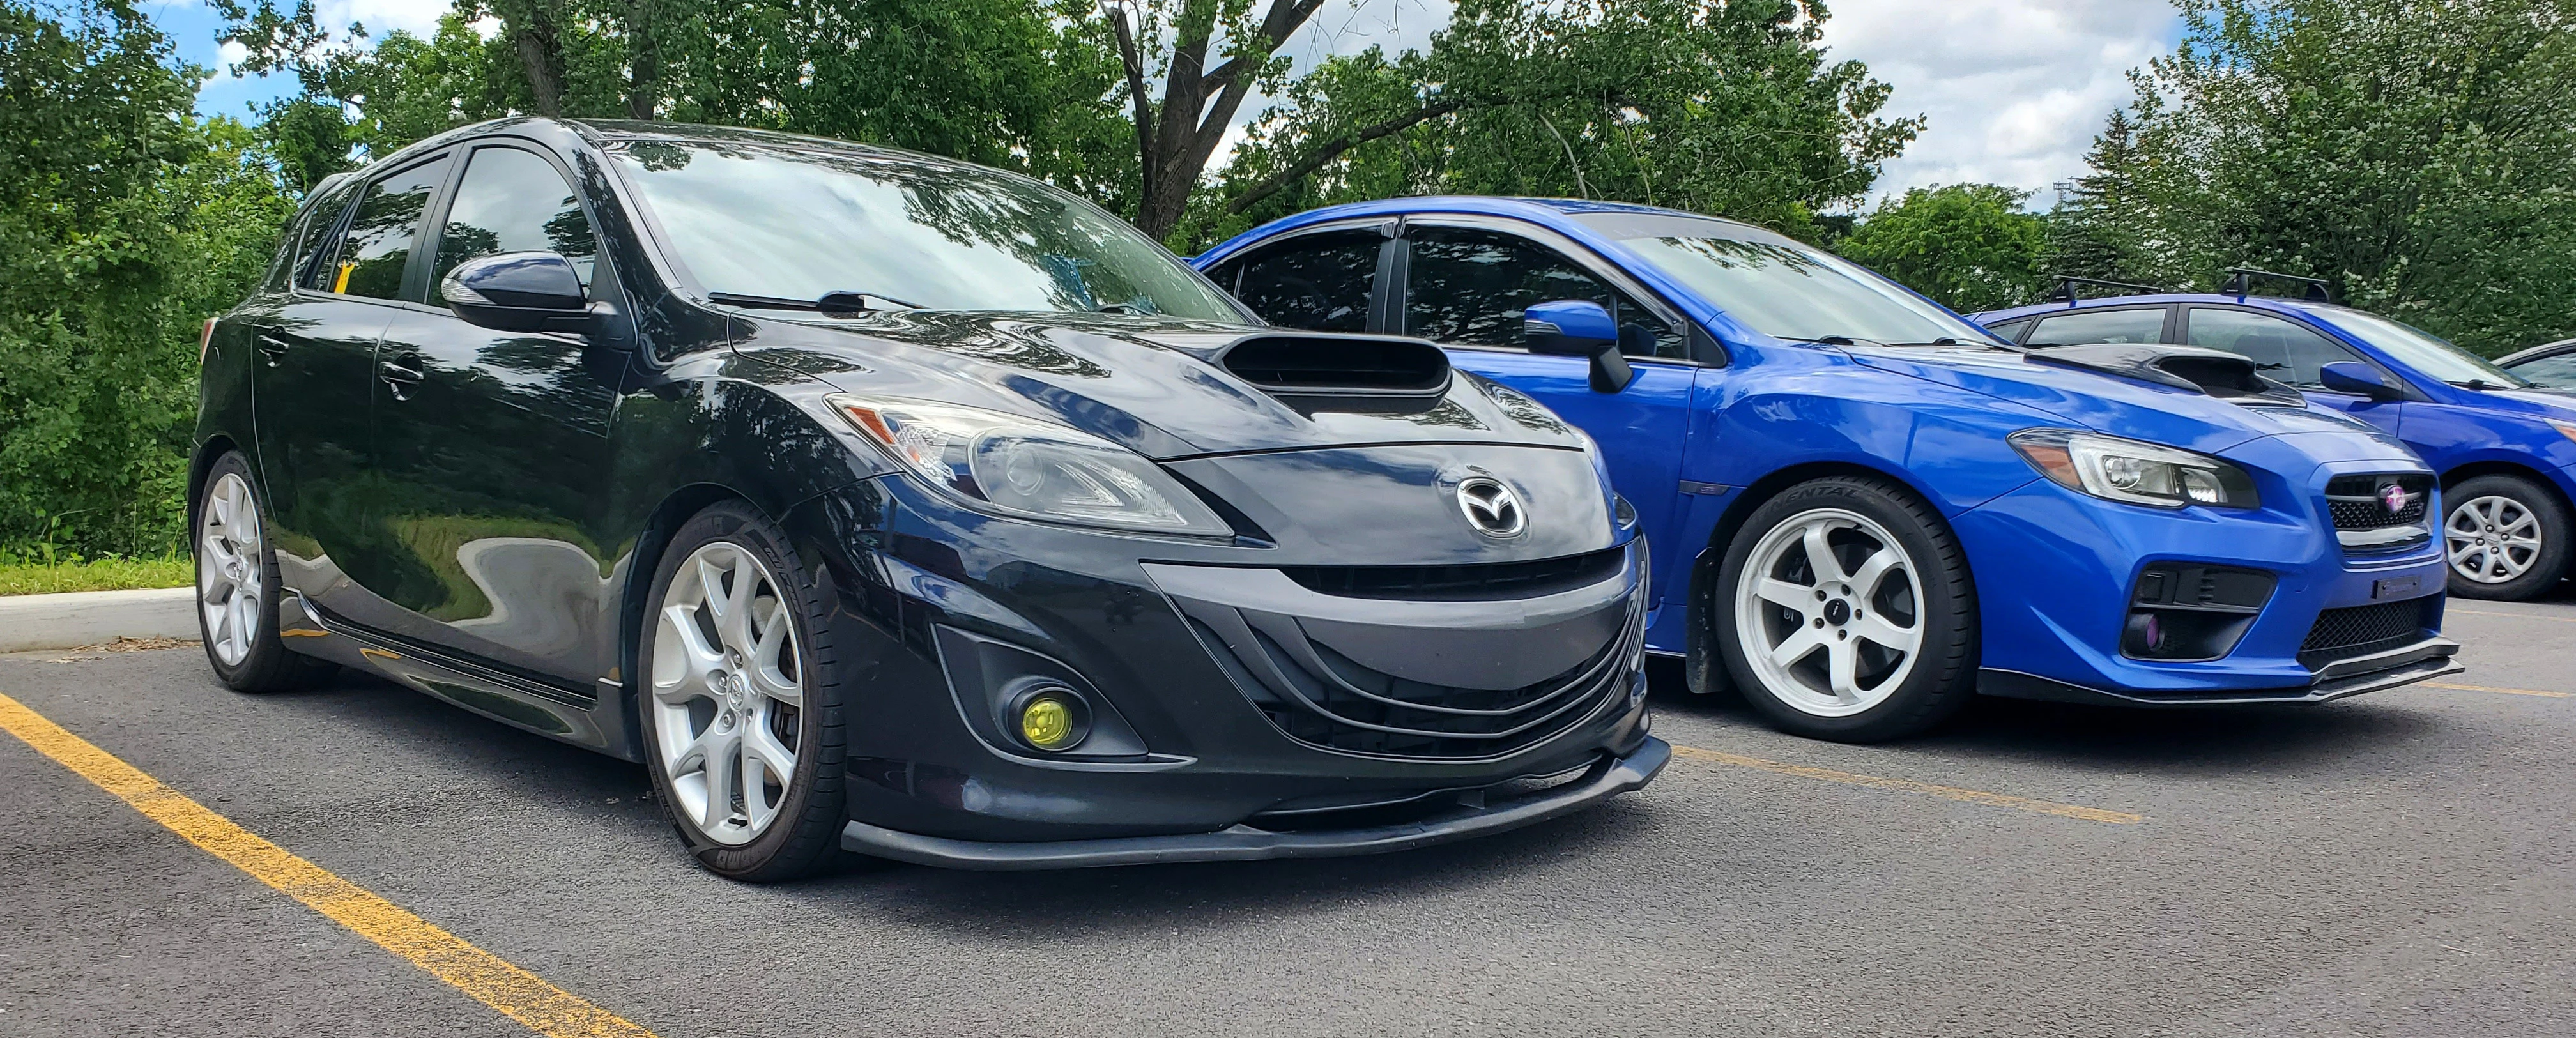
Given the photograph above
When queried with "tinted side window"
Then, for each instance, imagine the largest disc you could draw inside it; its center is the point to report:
(2086, 326)
(1470, 286)
(1319, 282)
(372, 254)
(2279, 348)
(2557, 372)
(2010, 329)
(512, 201)
(319, 222)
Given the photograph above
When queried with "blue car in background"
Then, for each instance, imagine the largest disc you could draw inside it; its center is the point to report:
(2505, 448)
(1864, 508)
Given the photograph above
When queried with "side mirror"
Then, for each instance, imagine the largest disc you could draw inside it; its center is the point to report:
(2358, 379)
(519, 292)
(1578, 328)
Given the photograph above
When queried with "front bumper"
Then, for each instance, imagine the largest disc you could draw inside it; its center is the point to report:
(1475, 815)
(941, 615)
(2424, 661)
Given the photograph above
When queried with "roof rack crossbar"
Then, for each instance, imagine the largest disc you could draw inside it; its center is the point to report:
(2066, 287)
(2241, 279)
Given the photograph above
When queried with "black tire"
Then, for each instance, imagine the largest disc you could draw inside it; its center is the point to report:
(1940, 675)
(267, 665)
(806, 832)
(2549, 514)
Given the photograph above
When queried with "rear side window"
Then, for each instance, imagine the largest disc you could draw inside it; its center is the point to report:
(512, 201)
(2090, 326)
(320, 219)
(2280, 349)
(372, 255)
(1318, 282)
(1470, 286)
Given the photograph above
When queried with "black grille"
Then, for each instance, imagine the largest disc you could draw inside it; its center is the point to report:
(1330, 701)
(2342, 634)
(2355, 502)
(1455, 583)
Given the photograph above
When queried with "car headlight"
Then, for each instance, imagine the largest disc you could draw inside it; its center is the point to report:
(1020, 466)
(2138, 473)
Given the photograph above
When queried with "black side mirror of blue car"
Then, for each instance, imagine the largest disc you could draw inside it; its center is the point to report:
(521, 292)
(2358, 379)
(1578, 328)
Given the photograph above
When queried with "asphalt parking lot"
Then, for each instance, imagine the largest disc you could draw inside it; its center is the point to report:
(2402, 863)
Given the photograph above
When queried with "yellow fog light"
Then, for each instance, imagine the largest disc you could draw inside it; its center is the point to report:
(1052, 719)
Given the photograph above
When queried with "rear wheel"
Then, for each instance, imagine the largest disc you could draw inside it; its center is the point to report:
(742, 721)
(1845, 611)
(2506, 538)
(237, 588)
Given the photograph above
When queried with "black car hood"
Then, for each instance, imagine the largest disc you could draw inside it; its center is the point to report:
(1152, 384)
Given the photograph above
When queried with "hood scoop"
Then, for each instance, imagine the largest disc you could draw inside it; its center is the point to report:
(1365, 373)
(2215, 373)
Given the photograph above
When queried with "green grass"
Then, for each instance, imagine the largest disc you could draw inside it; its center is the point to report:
(36, 578)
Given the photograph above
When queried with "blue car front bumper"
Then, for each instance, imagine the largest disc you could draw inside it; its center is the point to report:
(2059, 575)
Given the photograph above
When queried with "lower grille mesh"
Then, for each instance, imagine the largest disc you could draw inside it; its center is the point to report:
(2342, 634)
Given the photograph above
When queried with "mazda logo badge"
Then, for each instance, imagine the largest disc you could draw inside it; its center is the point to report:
(1491, 507)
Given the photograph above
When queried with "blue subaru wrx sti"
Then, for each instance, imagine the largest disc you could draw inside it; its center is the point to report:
(1866, 508)
(2505, 450)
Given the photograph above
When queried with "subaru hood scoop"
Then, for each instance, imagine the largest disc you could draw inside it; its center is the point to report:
(1166, 388)
(2216, 373)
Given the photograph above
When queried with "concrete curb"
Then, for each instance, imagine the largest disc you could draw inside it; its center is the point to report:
(95, 617)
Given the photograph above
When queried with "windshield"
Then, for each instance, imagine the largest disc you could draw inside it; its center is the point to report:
(2418, 349)
(793, 224)
(1781, 288)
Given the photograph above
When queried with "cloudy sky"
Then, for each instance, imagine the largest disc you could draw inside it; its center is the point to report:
(2013, 89)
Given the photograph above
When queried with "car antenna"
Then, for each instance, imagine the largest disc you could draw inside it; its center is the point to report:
(2067, 288)
(2241, 279)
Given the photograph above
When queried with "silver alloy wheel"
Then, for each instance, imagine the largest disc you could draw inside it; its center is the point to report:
(727, 693)
(231, 572)
(1828, 612)
(2492, 540)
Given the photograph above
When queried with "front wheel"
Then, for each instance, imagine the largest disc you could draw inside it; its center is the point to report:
(1845, 611)
(741, 713)
(2506, 538)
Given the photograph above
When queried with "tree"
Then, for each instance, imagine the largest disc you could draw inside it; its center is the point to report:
(1970, 246)
(124, 222)
(2419, 155)
(1719, 106)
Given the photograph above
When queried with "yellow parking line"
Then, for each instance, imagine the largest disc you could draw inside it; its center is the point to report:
(2507, 691)
(517, 993)
(1972, 796)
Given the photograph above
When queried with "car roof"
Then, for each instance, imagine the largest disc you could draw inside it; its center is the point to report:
(1555, 213)
(2546, 349)
(2154, 299)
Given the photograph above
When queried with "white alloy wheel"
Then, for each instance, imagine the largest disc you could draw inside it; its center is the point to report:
(728, 693)
(231, 572)
(1828, 612)
(2492, 539)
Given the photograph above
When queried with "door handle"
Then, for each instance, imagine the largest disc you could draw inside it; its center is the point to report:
(401, 372)
(272, 349)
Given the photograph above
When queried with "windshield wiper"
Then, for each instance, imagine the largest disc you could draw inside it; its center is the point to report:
(1122, 308)
(1833, 340)
(2479, 384)
(828, 302)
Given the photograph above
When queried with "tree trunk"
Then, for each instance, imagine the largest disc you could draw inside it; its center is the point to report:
(1175, 138)
(534, 37)
(643, 61)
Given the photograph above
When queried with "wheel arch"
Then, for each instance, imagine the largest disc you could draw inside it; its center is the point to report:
(202, 462)
(1705, 672)
(652, 541)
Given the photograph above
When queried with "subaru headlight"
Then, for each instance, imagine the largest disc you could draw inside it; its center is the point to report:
(1006, 463)
(2138, 473)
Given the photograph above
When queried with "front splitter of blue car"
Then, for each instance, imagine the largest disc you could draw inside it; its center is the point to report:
(2065, 578)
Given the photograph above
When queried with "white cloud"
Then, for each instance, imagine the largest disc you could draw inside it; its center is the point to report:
(418, 17)
(227, 55)
(2012, 90)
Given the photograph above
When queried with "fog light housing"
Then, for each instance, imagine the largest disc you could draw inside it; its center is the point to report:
(1051, 718)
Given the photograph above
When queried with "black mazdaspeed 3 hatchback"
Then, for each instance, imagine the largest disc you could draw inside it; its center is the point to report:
(884, 503)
